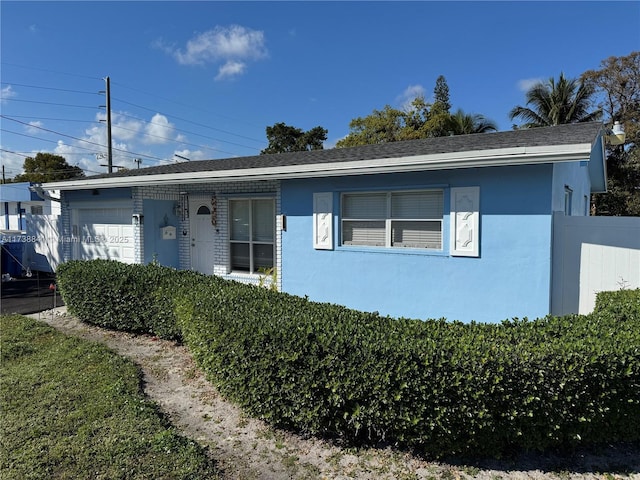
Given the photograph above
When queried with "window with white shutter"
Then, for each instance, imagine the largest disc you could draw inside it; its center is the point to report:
(401, 219)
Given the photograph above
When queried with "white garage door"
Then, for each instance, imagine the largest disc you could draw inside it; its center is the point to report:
(105, 233)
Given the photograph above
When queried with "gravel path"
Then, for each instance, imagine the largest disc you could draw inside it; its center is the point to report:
(246, 448)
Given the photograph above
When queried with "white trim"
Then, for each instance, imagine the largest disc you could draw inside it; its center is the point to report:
(442, 161)
(465, 222)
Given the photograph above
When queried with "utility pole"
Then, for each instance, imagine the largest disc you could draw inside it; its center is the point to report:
(109, 147)
(138, 161)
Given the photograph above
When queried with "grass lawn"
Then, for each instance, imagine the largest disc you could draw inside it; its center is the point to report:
(73, 409)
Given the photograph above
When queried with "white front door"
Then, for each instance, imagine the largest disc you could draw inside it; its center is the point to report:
(202, 236)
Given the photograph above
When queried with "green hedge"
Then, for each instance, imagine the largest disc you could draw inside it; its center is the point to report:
(442, 387)
(120, 296)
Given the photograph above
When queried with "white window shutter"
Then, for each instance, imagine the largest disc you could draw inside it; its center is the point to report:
(465, 222)
(323, 221)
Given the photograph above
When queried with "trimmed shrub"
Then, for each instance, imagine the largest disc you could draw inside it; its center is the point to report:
(124, 297)
(441, 387)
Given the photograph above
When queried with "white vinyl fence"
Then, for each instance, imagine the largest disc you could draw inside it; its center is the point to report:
(591, 255)
(42, 248)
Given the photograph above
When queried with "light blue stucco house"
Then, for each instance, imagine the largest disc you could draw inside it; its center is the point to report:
(458, 227)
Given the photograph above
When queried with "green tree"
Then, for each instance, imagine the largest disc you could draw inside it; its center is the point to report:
(285, 138)
(47, 167)
(461, 123)
(421, 120)
(557, 102)
(381, 126)
(617, 84)
(441, 94)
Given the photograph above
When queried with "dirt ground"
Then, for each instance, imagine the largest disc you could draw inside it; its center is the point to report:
(246, 448)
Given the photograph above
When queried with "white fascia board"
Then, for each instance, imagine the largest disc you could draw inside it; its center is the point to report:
(443, 161)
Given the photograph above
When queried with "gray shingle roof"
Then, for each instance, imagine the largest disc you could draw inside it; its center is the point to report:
(577, 133)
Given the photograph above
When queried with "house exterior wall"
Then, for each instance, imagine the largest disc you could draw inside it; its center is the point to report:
(575, 176)
(509, 278)
(173, 200)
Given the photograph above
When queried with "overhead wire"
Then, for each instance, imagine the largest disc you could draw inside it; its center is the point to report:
(189, 121)
(144, 133)
(138, 119)
(29, 67)
(60, 170)
(170, 100)
(79, 139)
(49, 88)
(186, 131)
(170, 139)
(131, 129)
(143, 108)
(4, 99)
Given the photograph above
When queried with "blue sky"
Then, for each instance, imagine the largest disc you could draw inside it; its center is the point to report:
(203, 79)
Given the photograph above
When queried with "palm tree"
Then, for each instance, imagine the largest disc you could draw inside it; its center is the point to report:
(461, 123)
(551, 103)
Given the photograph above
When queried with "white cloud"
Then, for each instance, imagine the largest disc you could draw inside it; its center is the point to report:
(6, 93)
(223, 43)
(526, 84)
(231, 69)
(233, 46)
(34, 127)
(125, 128)
(410, 93)
(62, 149)
(11, 162)
(158, 130)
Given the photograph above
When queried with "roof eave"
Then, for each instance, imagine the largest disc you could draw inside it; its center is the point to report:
(469, 159)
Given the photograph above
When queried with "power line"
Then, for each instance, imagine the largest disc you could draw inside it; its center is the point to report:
(134, 105)
(146, 134)
(141, 132)
(193, 123)
(141, 120)
(171, 139)
(120, 127)
(38, 138)
(185, 105)
(75, 138)
(56, 119)
(5, 99)
(50, 71)
(65, 170)
(48, 88)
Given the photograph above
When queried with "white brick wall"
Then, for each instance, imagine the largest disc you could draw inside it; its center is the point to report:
(222, 192)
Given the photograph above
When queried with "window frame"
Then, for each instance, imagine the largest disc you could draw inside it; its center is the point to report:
(389, 220)
(568, 200)
(251, 242)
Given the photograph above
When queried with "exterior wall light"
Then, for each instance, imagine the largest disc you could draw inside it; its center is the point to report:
(616, 135)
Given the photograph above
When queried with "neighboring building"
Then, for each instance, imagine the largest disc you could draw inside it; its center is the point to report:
(28, 229)
(458, 227)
